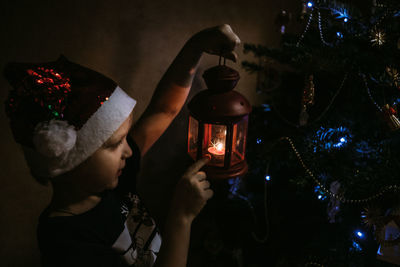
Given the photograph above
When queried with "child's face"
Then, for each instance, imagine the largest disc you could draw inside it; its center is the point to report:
(101, 170)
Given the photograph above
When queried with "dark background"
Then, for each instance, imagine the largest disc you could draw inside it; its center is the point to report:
(133, 42)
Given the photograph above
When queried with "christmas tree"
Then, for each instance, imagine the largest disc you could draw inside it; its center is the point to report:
(324, 150)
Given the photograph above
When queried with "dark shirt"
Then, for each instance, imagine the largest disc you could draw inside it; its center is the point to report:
(116, 232)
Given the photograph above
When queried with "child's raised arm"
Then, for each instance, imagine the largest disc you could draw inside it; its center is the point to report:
(174, 86)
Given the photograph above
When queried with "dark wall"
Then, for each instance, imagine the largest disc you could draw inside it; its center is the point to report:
(132, 41)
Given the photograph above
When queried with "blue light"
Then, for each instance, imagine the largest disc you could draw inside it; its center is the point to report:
(356, 247)
(345, 19)
(331, 138)
(320, 193)
(359, 234)
(234, 185)
(338, 145)
(342, 141)
(340, 13)
(267, 178)
(339, 35)
(310, 4)
(259, 140)
(266, 107)
(283, 29)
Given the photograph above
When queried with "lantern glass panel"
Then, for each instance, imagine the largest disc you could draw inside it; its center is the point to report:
(214, 143)
(239, 141)
(193, 137)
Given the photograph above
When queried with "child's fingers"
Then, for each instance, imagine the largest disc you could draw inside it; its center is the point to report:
(231, 55)
(234, 40)
(205, 184)
(201, 176)
(195, 167)
(208, 193)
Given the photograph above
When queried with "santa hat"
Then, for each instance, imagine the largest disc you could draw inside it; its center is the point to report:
(61, 112)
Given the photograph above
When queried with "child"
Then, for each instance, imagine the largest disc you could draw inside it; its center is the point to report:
(74, 125)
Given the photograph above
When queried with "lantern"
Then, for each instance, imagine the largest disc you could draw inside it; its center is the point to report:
(218, 124)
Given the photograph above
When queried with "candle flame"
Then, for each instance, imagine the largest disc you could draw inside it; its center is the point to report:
(219, 146)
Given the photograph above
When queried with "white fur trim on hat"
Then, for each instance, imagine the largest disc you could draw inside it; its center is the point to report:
(54, 138)
(99, 127)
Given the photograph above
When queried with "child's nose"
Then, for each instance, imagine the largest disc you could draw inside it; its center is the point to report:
(127, 150)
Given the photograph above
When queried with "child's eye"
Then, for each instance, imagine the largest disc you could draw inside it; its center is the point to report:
(117, 144)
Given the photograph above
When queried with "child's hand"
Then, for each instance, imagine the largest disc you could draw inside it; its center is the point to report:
(191, 192)
(219, 40)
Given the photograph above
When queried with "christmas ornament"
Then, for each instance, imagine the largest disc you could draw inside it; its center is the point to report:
(386, 232)
(388, 236)
(371, 216)
(303, 10)
(389, 251)
(378, 37)
(394, 75)
(307, 100)
(389, 115)
(334, 204)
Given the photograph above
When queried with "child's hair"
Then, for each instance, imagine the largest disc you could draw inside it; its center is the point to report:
(61, 112)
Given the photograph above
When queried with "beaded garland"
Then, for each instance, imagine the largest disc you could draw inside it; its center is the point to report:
(341, 198)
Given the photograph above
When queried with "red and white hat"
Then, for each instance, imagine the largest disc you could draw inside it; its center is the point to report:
(61, 113)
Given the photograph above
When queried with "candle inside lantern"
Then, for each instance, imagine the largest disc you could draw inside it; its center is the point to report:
(217, 149)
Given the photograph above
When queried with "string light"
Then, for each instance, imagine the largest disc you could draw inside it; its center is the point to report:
(319, 192)
(283, 29)
(331, 138)
(266, 107)
(360, 234)
(340, 144)
(356, 247)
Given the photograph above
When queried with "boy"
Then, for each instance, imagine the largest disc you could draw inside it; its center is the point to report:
(74, 125)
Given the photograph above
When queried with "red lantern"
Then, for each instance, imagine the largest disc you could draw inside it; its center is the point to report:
(218, 124)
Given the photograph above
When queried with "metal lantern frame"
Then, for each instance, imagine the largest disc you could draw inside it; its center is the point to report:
(213, 109)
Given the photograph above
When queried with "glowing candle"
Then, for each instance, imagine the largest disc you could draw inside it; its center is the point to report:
(217, 149)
